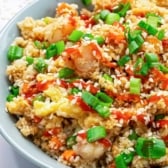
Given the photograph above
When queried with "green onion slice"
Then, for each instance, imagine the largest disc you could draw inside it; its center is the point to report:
(120, 162)
(40, 65)
(124, 10)
(104, 97)
(65, 73)
(150, 57)
(103, 14)
(75, 35)
(152, 148)
(107, 77)
(55, 49)
(30, 60)
(71, 141)
(111, 18)
(96, 133)
(14, 52)
(96, 104)
(123, 60)
(135, 85)
(133, 47)
(10, 97)
(159, 117)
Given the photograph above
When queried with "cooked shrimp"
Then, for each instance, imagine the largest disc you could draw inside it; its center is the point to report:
(83, 59)
(89, 151)
(86, 59)
(59, 29)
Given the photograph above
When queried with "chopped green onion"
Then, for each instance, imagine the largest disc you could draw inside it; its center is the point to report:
(88, 36)
(55, 49)
(142, 24)
(14, 52)
(120, 162)
(152, 148)
(40, 65)
(10, 97)
(87, 2)
(133, 47)
(135, 85)
(104, 97)
(38, 44)
(71, 141)
(118, 8)
(96, 17)
(161, 34)
(30, 60)
(75, 35)
(111, 18)
(60, 46)
(75, 91)
(133, 135)
(124, 10)
(103, 14)
(153, 20)
(159, 66)
(102, 109)
(149, 28)
(107, 77)
(132, 35)
(152, 30)
(159, 117)
(100, 40)
(151, 57)
(139, 40)
(96, 133)
(65, 73)
(163, 68)
(96, 104)
(123, 60)
(128, 157)
(14, 90)
(138, 65)
(145, 69)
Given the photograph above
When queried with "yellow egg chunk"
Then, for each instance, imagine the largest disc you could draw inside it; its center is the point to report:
(55, 93)
(69, 110)
(43, 109)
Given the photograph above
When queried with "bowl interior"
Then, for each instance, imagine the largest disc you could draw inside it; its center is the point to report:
(39, 9)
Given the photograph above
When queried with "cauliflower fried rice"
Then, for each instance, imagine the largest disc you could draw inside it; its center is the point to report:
(90, 88)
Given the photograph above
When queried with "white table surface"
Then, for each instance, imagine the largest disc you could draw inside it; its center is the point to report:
(9, 158)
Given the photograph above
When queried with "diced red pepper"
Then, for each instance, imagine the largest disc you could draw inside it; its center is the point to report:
(162, 123)
(37, 119)
(165, 43)
(84, 17)
(52, 131)
(82, 135)
(43, 85)
(29, 90)
(143, 118)
(128, 97)
(154, 98)
(106, 142)
(126, 116)
(81, 103)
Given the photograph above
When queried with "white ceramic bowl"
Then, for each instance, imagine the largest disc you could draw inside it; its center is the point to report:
(39, 9)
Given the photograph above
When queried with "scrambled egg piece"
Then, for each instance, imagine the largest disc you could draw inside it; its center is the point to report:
(55, 93)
